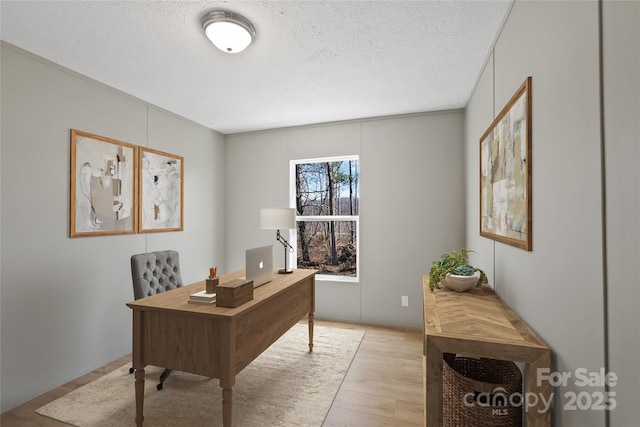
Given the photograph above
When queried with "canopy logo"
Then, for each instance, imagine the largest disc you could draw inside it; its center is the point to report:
(500, 401)
(583, 400)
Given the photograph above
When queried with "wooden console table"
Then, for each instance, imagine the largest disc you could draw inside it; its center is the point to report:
(217, 342)
(477, 323)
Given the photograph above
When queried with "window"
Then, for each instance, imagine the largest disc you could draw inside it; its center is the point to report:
(326, 193)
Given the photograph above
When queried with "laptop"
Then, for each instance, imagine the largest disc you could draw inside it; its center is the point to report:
(259, 265)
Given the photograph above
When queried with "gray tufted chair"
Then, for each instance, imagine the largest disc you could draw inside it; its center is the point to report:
(154, 273)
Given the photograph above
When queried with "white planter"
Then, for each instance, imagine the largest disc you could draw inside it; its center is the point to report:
(460, 283)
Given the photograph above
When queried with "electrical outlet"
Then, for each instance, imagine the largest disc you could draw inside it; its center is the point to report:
(405, 301)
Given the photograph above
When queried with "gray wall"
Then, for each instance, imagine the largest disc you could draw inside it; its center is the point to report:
(411, 204)
(559, 287)
(621, 71)
(63, 307)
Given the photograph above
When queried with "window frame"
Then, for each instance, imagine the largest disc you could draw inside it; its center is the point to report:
(293, 234)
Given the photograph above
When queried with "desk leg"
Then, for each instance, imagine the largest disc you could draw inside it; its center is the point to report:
(139, 397)
(311, 317)
(227, 369)
(227, 406)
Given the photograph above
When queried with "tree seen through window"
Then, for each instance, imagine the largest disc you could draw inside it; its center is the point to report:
(327, 202)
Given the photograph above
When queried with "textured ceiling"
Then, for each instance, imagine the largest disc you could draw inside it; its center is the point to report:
(312, 61)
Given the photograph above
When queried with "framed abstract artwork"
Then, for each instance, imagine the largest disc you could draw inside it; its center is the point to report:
(161, 191)
(505, 173)
(103, 186)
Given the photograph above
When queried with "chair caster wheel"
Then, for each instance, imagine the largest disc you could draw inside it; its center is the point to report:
(131, 370)
(159, 386)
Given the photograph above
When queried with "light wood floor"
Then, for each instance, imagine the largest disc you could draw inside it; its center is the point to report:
(383, 386)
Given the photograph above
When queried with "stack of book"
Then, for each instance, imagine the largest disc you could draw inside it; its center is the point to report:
(202, 297)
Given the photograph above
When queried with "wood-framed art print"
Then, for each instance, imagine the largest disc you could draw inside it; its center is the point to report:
(161, 191)
(103, 186)
(505, 173)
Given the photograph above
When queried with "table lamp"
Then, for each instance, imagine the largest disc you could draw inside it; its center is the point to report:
(279, 219)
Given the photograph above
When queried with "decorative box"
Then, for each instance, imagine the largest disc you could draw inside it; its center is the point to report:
(234, 293)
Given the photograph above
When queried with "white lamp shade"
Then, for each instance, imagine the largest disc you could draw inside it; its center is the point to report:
(278, 218)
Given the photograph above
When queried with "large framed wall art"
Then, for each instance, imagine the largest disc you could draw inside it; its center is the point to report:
(103, 186)
(505, 173)
(161, 191)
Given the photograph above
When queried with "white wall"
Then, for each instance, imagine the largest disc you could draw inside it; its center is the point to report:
(559, 287)
(63, 307)
(411, 204)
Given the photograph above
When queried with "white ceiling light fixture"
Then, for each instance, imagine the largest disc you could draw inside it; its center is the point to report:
(228, 31)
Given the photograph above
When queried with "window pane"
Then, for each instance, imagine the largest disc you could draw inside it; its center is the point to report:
(328, 246)
(328, 188)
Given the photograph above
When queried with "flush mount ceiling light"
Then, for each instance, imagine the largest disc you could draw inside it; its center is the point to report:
(228, 31)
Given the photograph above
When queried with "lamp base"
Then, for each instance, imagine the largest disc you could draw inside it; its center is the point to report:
(285, 271)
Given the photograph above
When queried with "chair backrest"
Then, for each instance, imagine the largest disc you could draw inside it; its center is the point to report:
(155, 272)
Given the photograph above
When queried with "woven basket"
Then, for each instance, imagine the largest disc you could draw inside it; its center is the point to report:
(480, 392)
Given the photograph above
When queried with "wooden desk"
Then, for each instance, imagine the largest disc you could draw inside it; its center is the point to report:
(216, 342)
(479, 324)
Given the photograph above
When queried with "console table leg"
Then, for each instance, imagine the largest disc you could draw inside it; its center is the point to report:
(227, 406)
(139, 396)
(541, 414)
(433, 384)
(311, 317)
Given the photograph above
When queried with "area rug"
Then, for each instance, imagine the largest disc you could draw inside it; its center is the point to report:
(285, 386)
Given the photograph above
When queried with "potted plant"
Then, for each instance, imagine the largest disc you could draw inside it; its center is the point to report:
(454, 271)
